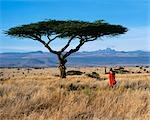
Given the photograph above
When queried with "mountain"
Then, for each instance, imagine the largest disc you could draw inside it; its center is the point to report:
(111, 52)
(95, 58)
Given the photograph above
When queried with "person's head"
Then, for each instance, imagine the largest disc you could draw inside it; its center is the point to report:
(111, 69)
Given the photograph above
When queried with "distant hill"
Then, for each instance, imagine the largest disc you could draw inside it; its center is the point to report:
(95, 58)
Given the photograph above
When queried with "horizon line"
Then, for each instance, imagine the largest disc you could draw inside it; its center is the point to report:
(23, 51)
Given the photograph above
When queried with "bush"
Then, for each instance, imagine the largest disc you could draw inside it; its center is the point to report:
(122, 71)
(74, 72)
(93, 75)
(141, 67)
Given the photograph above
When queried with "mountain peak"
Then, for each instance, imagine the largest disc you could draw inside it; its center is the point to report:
(36, 52)
(107, 50)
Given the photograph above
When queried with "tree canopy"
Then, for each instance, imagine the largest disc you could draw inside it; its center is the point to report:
(68, 28)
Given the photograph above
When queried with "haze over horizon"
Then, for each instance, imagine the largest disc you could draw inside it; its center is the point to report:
(106, 49)
(133, 14)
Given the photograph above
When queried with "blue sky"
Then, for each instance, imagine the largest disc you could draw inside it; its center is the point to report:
(132, 14)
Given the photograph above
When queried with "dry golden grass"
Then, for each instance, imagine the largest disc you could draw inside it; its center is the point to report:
(38, 94)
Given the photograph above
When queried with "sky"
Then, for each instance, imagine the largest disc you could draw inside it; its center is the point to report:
(133, 14)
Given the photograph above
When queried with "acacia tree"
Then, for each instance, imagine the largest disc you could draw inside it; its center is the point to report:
(47, 31)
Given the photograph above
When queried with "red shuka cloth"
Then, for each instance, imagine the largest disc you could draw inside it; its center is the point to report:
(112, 79)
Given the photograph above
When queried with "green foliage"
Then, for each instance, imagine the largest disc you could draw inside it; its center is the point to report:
(66, 29)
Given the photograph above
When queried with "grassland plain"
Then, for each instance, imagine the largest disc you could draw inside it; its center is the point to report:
(39, 94)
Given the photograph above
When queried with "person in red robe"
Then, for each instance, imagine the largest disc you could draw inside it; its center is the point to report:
(112, 78)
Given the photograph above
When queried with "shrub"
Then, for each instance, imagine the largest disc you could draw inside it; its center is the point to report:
(93, 75)
(141, 67)
(74, 72)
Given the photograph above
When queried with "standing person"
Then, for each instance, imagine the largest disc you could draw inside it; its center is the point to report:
(112, 78)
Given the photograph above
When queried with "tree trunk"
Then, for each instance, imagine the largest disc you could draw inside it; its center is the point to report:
(62, 66)
(105, 71)
(62, 69)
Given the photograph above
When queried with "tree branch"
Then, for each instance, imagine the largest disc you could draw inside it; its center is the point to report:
(89, 39)
(82, 41)
(50, 40)
(45, 44)
(67, 45)
(31, 37)
(75, 49)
